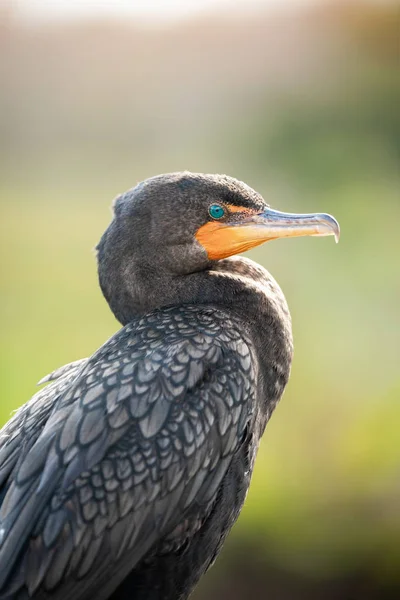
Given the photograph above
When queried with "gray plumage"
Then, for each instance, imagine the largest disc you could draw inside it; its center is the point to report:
(117, 456)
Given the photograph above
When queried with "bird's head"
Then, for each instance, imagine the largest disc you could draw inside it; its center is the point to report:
(185, 220)
(180, 223)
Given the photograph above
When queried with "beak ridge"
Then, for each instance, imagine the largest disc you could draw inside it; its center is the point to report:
(281, 224)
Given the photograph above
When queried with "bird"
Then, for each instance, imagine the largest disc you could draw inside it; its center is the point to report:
(122, 477)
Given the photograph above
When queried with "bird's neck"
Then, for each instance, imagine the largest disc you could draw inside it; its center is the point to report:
(236, 284)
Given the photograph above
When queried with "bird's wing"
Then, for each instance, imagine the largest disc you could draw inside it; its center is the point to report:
(64, 370)
(25, 426)
(140, 440)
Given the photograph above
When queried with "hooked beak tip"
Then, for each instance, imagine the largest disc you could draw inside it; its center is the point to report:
(328, 225)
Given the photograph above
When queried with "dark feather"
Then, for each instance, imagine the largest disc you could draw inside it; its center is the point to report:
(109, 441)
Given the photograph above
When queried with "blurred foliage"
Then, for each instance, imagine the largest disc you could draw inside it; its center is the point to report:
(302, 106)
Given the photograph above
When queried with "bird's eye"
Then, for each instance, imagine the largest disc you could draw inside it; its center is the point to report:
(216, 211)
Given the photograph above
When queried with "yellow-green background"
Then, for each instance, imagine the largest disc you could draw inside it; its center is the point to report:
(302, 105)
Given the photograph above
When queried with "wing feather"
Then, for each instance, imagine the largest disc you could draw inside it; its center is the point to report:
(127, 444)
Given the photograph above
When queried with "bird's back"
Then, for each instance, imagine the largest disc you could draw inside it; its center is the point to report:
(117, 465)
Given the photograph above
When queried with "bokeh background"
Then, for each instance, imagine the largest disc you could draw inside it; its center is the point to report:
(299, 99)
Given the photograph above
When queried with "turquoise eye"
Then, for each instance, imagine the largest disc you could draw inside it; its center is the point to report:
(216, 211)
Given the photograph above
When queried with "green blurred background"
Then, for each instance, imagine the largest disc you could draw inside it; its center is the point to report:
(299, 100)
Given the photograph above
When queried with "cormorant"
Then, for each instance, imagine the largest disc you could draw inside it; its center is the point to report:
(122, 478)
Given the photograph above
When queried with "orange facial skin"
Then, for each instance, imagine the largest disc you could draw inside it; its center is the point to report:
(221, 239)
